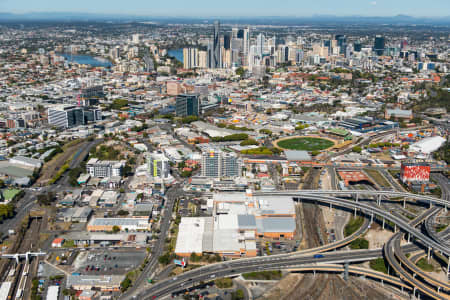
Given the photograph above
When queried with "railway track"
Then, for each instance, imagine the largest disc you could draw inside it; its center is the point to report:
(21, 278)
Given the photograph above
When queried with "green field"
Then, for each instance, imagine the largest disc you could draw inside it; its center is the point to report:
(10, 193)
(305, 143)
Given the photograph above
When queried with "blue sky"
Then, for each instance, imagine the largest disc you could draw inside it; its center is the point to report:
(428, 8)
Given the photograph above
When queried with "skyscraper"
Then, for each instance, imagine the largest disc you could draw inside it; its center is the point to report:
(246, 45)
(260, 45)
(216, 45)
(341, 42)
(357, 46)
(240, 33)
(234, 32)
(226, 41)
(187, 105)
(379, 45)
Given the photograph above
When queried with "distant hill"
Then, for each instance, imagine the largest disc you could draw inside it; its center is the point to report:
(273, 20)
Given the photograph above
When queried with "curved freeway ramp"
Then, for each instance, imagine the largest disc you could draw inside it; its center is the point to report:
(372, 210)
(398, 260)
(406, 276)
(376, 193)
(354, 270)
(338, 244)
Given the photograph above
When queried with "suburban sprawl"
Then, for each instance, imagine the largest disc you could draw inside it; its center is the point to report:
(213, 160)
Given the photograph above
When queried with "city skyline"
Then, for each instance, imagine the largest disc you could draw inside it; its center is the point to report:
(235, 8)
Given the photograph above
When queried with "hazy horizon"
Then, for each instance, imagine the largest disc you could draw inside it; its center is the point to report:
(234, 8)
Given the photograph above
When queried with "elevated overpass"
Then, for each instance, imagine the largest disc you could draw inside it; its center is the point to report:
(292, 261)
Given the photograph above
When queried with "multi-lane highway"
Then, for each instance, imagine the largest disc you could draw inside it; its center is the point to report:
(372, 210)
(235, 267)
(292, 260)
(398, 261)
(354, 193)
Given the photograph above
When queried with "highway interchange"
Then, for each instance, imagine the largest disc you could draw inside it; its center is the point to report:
(303, 260)
(309, 258)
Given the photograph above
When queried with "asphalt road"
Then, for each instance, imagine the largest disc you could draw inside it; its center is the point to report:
(444, 183)
(171, 194)
(392, 251)
(27, 202)
(229, 268)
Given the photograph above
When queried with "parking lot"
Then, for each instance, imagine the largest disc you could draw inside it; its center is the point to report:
(208, 291)
(108, 262)
(276, 247)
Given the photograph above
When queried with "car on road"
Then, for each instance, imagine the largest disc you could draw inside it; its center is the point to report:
(318, 256)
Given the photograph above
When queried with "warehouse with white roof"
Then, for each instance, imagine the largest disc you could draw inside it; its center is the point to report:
(427, 145)
(238, 220)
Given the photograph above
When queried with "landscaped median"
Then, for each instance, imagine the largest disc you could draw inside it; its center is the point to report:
(52, 171)
(263, 275)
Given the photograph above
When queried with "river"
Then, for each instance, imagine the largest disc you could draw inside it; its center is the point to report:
(177, 53)
(87, 60)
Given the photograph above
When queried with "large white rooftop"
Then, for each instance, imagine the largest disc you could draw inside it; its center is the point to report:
(428, 145)
(190, 235)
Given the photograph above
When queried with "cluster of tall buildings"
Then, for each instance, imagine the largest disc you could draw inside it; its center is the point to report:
(239, 49)
(222, 51)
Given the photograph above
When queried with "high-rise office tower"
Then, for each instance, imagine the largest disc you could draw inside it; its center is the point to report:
(234, 32)
(348, 51)
(226, 41)
(357, 46)
(341, 42)
(209, 57)
(240, 33)
(260, 45)
(136, 38)
(327, 44)
(246, 45)
(216, 45)
(187, 105)
(404, 44)
(379, 45)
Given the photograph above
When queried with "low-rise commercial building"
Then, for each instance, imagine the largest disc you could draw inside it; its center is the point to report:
(238, 220)
(104, 168)
(105, 283)
(124, 224)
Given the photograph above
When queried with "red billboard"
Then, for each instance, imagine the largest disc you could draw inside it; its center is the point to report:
(415, 173)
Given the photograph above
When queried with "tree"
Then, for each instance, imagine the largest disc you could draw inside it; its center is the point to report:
(194, 257)
(240, 71)
(122, 212)
(45, 199)
(238, 295)
(315, 153)
(266, 131)
(126, 283)
(115, 229)
(249, 142)
(357, 149)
